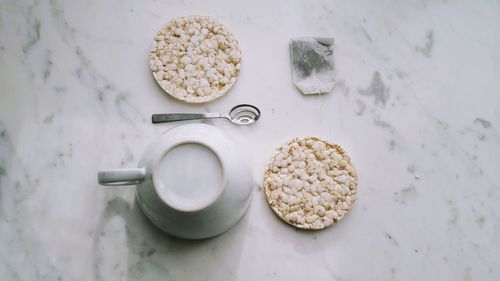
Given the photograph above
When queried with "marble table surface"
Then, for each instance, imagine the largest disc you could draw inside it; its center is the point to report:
(416, 105)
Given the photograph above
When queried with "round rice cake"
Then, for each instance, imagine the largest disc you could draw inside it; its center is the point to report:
(195, 59)
(310, 183)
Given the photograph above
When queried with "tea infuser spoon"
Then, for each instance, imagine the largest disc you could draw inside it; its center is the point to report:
(242, 114)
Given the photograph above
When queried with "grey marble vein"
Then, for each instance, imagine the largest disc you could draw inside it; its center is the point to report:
(426, 49)
(377, 89)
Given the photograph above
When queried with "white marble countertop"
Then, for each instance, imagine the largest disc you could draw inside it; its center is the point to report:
(417, 106)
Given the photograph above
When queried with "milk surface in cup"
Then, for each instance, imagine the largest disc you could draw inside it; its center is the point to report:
(189, 176)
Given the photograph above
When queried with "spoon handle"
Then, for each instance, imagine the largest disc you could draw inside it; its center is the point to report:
(172, 117)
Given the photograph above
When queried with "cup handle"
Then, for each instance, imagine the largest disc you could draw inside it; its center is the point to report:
(121, 176)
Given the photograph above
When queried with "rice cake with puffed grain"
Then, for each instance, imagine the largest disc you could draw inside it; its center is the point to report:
(195, 59)
(310, 183)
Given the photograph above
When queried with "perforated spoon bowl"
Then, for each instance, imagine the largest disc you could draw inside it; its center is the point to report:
(242, 114)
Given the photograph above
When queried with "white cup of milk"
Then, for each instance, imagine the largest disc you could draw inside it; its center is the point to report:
(191, 182)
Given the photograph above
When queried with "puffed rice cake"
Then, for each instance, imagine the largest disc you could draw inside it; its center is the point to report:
(310, 183)
(195, 59)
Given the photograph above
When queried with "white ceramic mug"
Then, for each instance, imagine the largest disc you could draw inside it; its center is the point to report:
(192, 182)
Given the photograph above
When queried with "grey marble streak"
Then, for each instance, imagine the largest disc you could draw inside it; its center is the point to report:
(416, 105)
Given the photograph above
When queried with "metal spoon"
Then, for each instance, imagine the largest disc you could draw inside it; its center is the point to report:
(243, 114)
